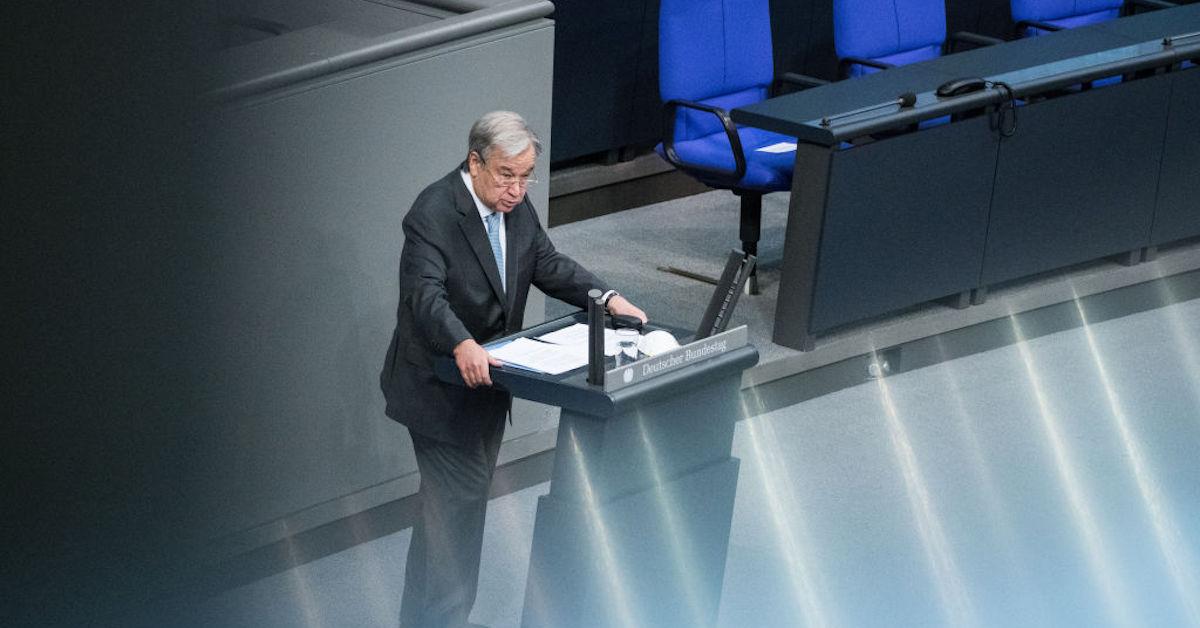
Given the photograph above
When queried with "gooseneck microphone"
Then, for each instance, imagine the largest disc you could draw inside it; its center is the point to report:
(905, 100)
(1174, 39)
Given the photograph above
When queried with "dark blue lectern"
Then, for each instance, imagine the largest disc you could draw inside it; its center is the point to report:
(635, 529)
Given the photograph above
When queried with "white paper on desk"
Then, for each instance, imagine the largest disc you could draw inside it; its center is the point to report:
(576, 336)
(781, 147)
(569, 335)
(541, 356)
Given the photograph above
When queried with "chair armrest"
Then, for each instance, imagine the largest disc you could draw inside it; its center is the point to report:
(1149, 4)
(845, 62)
(735, 141)
(968, 37)
(799, 81)
(1042, 26)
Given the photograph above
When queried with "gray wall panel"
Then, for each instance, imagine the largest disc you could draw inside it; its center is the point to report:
(309, 192)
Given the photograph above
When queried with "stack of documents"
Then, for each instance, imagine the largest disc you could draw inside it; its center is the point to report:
(577, 335)
(542, 357)
(556, 352)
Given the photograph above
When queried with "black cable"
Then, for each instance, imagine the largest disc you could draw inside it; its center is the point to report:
(1007, 109)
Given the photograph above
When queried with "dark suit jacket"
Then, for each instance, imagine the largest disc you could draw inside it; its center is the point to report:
(450, 291)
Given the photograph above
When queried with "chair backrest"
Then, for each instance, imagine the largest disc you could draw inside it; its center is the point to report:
(898, 32)
(717, 52)
(1065, 13)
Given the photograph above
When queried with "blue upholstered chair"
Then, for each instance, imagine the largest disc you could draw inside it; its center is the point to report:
(716, 55)
(873, 35)
(1038, 17)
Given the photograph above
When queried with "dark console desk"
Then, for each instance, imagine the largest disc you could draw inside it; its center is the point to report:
(635, 528)
(887, 212)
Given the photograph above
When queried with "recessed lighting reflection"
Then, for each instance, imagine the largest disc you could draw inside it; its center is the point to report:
(1174, 551)
(787, 517)
(684, 569)
(956, 603)
(1112, 593)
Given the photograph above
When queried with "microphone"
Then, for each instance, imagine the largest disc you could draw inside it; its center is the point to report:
(905, 100)
(1172, 40)
(595, 318)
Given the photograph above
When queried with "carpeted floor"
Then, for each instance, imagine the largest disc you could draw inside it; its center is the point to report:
(695, 233)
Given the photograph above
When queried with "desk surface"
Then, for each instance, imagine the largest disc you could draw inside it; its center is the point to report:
(792, 113)
(1177, 21)
(1029, 52)
(1074, 50)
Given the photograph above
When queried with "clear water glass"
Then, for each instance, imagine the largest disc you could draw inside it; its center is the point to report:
(627, 345)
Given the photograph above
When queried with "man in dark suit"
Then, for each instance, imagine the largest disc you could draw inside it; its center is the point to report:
(472, 248)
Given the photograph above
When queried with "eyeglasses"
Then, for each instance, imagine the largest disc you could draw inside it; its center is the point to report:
(509, 180)
(506, 180)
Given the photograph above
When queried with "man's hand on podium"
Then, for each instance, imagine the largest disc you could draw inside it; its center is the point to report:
(473, 362)
(620, 305)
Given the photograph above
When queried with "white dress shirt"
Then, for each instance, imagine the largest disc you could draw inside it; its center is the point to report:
(484, 212)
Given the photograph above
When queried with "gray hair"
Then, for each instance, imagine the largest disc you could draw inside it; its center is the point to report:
(504, 130)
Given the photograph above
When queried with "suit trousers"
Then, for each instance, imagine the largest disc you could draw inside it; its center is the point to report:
(442, 573)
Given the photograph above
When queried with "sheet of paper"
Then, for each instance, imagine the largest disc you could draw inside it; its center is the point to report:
(541, 356)
(576, 336)
(781, 147)
(569, 335)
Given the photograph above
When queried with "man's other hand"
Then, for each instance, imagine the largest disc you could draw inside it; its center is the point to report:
(620, 305)
(473, 362)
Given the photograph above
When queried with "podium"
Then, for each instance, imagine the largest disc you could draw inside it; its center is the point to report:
(635, 528)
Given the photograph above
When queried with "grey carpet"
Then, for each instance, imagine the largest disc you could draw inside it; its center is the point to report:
(694, 233)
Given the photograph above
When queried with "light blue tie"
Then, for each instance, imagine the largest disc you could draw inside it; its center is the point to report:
(493, 230)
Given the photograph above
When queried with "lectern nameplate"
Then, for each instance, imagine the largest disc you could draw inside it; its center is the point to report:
(649, 368)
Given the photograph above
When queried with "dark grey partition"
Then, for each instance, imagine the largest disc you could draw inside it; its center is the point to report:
(905, 219)
(1177, 214)
(599, 92)
(1078, 181)
(322, 139)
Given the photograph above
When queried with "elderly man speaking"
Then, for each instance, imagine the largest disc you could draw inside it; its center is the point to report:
(472, 248)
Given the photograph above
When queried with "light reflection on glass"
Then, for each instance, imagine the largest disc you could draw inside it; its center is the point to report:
(1113, 592)
(956, 603)
(1174, 551)
(787, 517)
